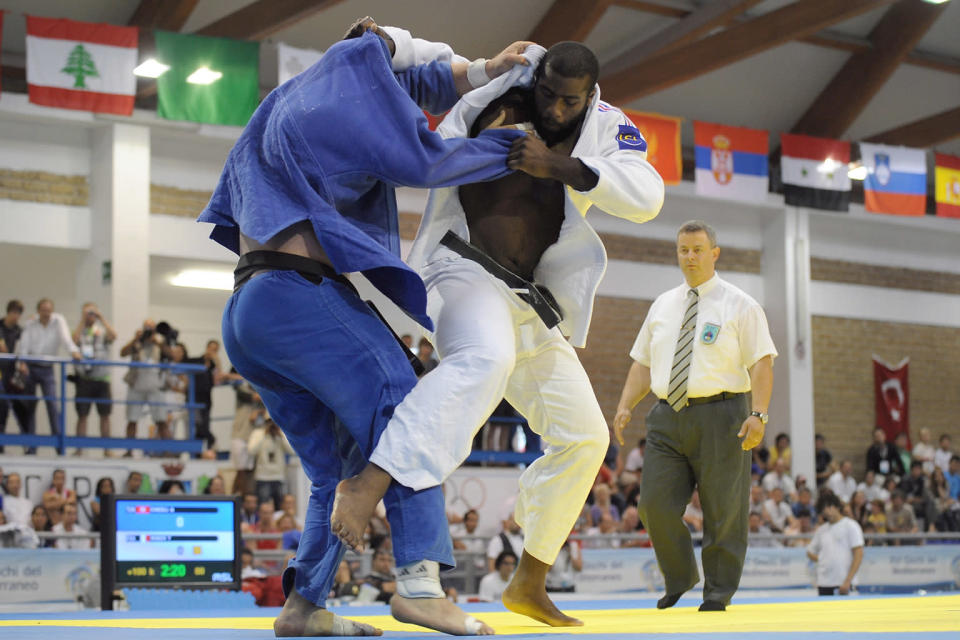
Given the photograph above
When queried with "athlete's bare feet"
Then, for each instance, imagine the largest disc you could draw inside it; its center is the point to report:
(302, 618)
(527, 594)
(354, 503)
(438, 614)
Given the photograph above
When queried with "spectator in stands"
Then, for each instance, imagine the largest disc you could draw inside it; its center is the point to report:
(58, 494)
(803, 524)
(249, 410)
(288, 506)
(216, 486)
(841, 483)
(903, 452)
(693, 514)
(269, 447)
(872, 486)
(16, 508)
(344, 586)
(804, 501)
(940, 489)
(266, 524)
(941, 457)
(952, 475)
(900, 516)
(249, 509)
(40, 522)
(757, 498)
(468, 527)
(44, 335)
(407, 340)
(381, 575)
(146, 385)
(915, 486)
(859, 507)
(172, 487)
(509, 539)
(924, 451)
(781, 515)
(882, 456)
(69, 524)
(247, 567)
(889, 486)
(634, 460)
(628, 492)
(602, 504)
(561, 578)
(134, 483)
(780, 451)
(426, 356)
(104, 488)
(93, 336)
(878, 516)
(494, 583)
(823, 458)
(10, 333)
(779, 477)
(291, 533)
(759, 533)
(837, 548)
(760, 458)
(601, 535)
(204, 383)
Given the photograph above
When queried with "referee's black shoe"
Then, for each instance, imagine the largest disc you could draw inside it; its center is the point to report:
(712, 605)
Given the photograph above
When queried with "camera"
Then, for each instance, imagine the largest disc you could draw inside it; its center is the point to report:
(169, 334)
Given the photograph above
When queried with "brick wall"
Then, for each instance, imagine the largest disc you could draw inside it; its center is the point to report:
(177, 202)
(40, 186)
(843, 380)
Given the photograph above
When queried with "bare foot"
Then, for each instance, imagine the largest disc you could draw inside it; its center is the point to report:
(438, 614)
(354, 502)
(527, 594)
(302, 618)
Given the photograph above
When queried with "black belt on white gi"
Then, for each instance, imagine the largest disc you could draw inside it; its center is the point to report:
(537, 296)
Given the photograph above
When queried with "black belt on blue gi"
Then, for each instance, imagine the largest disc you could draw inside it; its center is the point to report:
(537, 296)
(313, 271)
(725, 395)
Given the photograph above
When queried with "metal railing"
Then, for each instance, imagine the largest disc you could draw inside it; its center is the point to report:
(60, 441)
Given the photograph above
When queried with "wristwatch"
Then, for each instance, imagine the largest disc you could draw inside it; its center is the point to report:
(760, 414)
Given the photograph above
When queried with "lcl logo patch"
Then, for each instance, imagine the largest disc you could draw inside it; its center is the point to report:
(629, 138)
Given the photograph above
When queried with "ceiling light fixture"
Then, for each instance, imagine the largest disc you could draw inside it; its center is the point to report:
(151, 68)
(936, 1)
(828, 166)
(204, 279)
(204, 75)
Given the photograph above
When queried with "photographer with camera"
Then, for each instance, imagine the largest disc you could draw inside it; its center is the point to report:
(146, 385)
(269, 447)
(93, 336)
(203, 387)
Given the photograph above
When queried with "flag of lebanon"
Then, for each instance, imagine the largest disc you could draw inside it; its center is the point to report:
(81, 65)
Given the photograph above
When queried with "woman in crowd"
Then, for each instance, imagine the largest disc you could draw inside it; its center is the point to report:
(40, 521)
(104, 487)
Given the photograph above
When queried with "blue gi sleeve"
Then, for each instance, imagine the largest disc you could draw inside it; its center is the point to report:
(430, 86)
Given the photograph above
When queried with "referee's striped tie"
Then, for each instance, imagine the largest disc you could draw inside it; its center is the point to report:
(677, 397)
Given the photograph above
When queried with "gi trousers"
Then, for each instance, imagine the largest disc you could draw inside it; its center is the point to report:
(697, 447)
(330, 374)
(492, 345)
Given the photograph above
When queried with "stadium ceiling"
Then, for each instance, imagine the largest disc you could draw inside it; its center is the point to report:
(884, 70)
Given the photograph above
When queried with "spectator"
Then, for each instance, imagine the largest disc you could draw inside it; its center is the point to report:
(903, 452)
(134, 483)
(104, 488)
(635, 457)
(602, 504)
(381, 575)
(146, 385)
(869, 530)
(16, 509)
(601, 535)
(344, 586)
(841, 483)
(249, 509)
(757, 498)
(941, 457)
(759, 533)
(494, 583)
(216, 486)
(269, 447)
(760, 458)
(93, 336)
(426, 356)
(940, 488)
(889, 486)
(882, 456)
(915, 486)
(172, 487)
(804, 501)
(630, 525)
(249, 410)
(629, 493)
(291, 533)
(924, 451)
(900, 516)
(779, 511)
(802, 525)
(872, 486)
(779, 477)
(10, 333)
(40, 522)
(69, 525)
(953, 477)
(407, 340)
(44, 335)
(266, 524)
(58, 493)
(467, 528)
(780, 451)
(878, 516)
(823, 458)
(837, 548)
(693, 514)
(510, 539)
(247, 567)
(288, 506)
(203, 384)
(859, 507)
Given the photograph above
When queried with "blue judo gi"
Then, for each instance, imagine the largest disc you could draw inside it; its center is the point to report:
(329, 146)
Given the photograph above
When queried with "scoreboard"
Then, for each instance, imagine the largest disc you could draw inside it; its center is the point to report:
(169, 541)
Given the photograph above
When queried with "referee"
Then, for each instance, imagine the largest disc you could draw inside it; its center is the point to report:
(703, 348)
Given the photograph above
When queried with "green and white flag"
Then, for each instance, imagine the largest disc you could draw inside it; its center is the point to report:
(211, 80)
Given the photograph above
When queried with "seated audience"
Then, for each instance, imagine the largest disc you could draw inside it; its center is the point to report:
(779, 477)
(634, 460)
(780, 451)
(823, 459)
(494, 583)
(900, 516)
(381, 575)
(69, 524)
(58, 494)
(882, 456)
(758, 534)
(915, 486)
(104, 488)
(941, 457)
(603, 504)
(693, 514)
(924, 451)
(779, 511)
(16, 509)
(841, 483)
(509, 539)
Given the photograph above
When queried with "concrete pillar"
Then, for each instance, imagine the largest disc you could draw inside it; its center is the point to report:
(786, 286)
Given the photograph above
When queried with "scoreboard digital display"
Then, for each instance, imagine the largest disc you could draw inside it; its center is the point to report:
(169, 541)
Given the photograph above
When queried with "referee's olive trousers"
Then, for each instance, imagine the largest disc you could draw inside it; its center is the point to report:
(697, 447)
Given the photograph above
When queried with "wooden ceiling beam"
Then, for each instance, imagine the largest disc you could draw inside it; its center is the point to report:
(169, 15)
(263, 18)
(925, 132)
(864, 74)
(568, 20)
(685, 30)
(733, 44)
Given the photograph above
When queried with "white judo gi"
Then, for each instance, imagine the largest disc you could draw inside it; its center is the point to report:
(493, 345)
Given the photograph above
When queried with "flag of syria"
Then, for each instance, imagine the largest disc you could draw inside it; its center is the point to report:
(81, 65)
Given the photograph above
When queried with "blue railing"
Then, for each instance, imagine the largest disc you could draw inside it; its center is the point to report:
(61, 441)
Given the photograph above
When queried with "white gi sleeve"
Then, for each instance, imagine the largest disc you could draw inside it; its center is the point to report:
(412, 51)
(628, 186)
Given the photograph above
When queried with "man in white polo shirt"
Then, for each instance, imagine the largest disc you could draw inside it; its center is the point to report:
(703, 348)
(837, 548)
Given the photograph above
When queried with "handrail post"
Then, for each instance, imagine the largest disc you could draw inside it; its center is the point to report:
(61, 439)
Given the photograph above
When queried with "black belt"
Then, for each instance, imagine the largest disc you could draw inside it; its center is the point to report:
(537, 296)
(313, 271)
(726, 395)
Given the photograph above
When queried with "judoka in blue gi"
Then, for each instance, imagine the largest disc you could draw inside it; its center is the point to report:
(307, 194)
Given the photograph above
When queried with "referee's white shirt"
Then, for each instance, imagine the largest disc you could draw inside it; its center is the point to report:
(731, 335)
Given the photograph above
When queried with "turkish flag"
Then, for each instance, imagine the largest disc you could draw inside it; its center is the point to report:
(891, 390)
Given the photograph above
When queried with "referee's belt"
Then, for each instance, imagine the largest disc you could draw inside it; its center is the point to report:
(536, 295)
(725, 395)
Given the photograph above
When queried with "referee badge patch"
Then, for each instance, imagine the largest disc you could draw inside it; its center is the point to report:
(710, 333)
